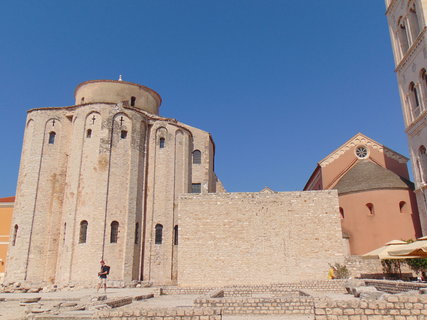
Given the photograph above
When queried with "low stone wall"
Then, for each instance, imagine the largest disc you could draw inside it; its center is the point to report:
(395, 286)
(180, 291)
(392, 308)
(277, 289)
(284, 305)
(370, 268)
(162, 314)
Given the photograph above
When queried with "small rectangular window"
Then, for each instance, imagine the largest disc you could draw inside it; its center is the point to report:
(123, 134)
(162, 143)
(196, 188)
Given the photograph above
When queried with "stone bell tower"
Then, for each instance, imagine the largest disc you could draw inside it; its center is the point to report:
(407, 24)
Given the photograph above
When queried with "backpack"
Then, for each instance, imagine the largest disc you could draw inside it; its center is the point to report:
(107, 268)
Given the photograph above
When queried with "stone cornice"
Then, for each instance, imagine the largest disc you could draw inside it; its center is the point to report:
(390, 6)
(415, 127)
(411, 51)
(359, 139)
(7, 204)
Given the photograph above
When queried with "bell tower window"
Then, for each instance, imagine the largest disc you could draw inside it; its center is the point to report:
(414, 100)
(402, 36)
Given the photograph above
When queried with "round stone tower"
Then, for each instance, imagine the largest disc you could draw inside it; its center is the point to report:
(111, 91)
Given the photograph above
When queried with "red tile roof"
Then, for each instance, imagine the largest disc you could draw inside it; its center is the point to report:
(8, 199)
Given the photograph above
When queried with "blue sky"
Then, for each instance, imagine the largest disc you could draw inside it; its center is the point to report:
(279, 84)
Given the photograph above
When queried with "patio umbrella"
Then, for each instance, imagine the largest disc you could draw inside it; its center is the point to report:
(416, 249)
(384, 251)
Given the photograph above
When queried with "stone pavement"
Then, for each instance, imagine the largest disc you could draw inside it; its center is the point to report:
(12, 309)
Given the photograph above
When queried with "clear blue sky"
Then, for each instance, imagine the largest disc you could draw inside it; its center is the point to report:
(280, 84)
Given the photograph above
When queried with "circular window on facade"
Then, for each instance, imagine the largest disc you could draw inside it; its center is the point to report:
(361, 152)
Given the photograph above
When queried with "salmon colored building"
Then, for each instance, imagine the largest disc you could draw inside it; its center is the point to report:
(6, 208)
(377, 202)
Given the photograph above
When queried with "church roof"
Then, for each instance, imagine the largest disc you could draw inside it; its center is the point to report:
(367, 175)
(7, 199)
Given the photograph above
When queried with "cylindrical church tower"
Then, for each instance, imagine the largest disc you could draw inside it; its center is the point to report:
(99, 180)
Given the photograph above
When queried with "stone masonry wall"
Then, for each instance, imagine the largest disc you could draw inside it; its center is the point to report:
(257, 238)
(279, 288)
(392, 308)
(162, 314)
(277, 305)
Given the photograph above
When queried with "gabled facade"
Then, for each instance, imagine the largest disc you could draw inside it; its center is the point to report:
(377, 202)
(407, 24)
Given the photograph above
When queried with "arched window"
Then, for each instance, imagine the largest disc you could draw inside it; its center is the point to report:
(422, 162)
(123, 134)
(402, 35)
(15, 234)
(370, 207)
(159, 234)
(423, 88)
(197, 157)
(136, 233)
(114, 234)
(83, 231)
(82, 100)
(89, 133)
(162, 142)
(413, 23)
(132, 101)
(52, 136)
(175, 235)
(342, 213)
(414, 100)
(403, 207)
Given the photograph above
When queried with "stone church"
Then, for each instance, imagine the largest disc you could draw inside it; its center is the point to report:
(109, 178)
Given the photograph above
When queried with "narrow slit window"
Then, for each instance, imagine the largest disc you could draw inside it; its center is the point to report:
(342, 213)
(89, 133)
(132, 101)
(123, 134)
(197, 157)
(403, 207)
(159, 234)
(136, 233)
(114, 234)
(63, 236)
(175, 235)
(15, 234)
(83, 231)
(52, 136)
(370, 207)
(162, 143)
